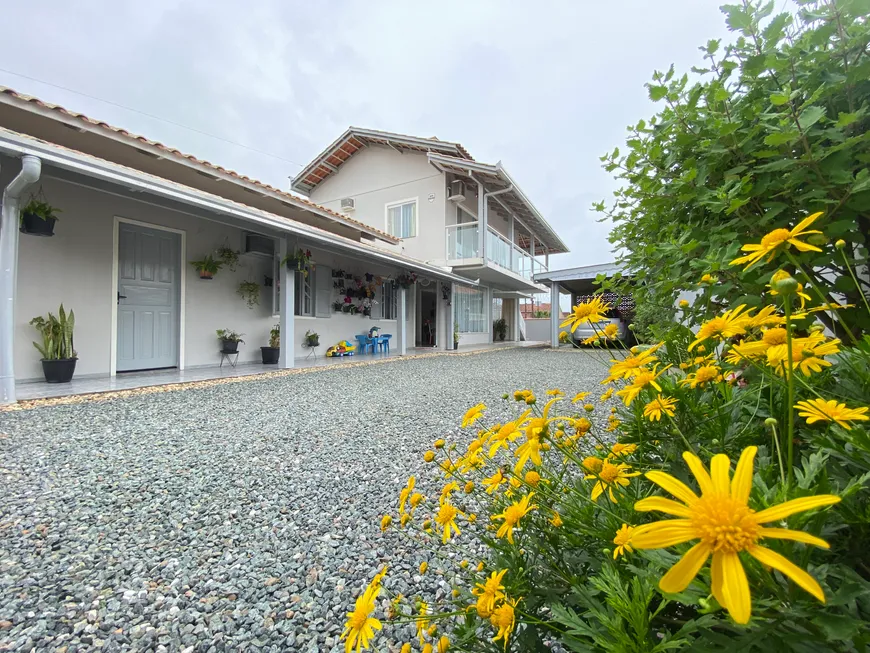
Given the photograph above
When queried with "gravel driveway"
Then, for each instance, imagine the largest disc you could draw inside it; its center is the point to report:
(233, 517)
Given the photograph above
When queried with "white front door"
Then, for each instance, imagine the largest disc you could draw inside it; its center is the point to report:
(148, 298)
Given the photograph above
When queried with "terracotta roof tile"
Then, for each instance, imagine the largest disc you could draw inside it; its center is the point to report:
(170, 150)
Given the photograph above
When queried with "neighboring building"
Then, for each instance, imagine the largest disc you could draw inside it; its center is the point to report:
(135, 213)
(447, 210)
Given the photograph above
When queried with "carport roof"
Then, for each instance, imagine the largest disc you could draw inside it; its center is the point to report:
(580, 280)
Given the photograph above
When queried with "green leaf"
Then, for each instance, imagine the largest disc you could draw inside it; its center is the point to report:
(779, 164)
(810, 116)
(738, 18)
(846, 119)
(781, 138)
(777, 99)
(656, 93)
(837, 626)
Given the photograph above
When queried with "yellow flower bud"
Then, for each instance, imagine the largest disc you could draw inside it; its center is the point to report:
(463, 564)
(439, 443)
(472, 518)
(429, 456)
(386, 520)
(423, 567)
(406, 648)
(588, 408)
(443, 644)
(840, 244)
(533, 478)
(480, 566)
(405, 519)
(469, 487)
(684, 303)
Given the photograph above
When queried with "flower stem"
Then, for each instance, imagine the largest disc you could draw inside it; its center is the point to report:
(857, 285)
(790, 369)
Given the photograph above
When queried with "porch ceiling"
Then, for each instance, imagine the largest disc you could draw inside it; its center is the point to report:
(105, 176)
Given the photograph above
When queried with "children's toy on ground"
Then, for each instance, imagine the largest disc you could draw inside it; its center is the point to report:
(343, 348)
(374, 332)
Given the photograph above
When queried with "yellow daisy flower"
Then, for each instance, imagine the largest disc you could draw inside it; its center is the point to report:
(607, 395)
(493, 482)
(819, 410)
(422, 621)
(504, 619)
(643, 379)
(779, 239)
(512, 515)
(580, 396)
(620, 449)
(361, 626)
(591, 311)
(659, 406)
(472, 415)
(806, 353)
(731, 323)
(446, 519)
(623, 541)
(488, 593)
(702, 376)
(610, 476)
(631, 365)
(725, 525)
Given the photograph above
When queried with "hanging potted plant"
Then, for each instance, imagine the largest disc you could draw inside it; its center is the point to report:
(207, 267)
(336, 306)
(455, 335)
(38, 216)
(250, 292)
(229, 340)
(273, 351)
(406, 279)
(58, 354)
(228, 256)
(297, 260)
(312, 339)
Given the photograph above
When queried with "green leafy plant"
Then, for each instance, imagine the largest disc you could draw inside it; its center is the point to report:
(250, 292)
(227, 335)
(777, 127)
(275, 337)
(499, 327)
(41, 209)
(298, 260)
(456, 333)
(312, 339)
(207, 266)
(228, 256)
(57, 335)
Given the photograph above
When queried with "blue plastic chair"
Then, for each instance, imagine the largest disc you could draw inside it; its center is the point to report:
(385, 342)
(364, 344)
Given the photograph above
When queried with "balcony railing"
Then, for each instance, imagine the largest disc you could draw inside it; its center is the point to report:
(463, 242)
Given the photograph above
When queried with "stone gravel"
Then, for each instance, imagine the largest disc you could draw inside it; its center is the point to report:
(234, 517)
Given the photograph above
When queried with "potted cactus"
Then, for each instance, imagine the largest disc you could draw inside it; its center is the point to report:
(58, 354)
(273, 351)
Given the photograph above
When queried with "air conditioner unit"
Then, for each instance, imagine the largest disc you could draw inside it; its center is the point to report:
(259, 245)
(347, 204)
(457, 191)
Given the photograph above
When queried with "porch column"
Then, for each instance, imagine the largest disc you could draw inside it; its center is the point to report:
(482, 219)
(554, 314)
(487, 297)
(287, 280)
(31, 168)
(402, 322)
(452, 314)
(517, 317)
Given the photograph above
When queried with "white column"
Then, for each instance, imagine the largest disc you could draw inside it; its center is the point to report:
(517, 318)
(449, 338)
(511, 238)
(554, 314)
(288, 290)
(402, 321)
(31, 168)
(482, 219)
(488, 299)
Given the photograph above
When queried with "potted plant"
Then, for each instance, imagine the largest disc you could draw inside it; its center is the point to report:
(273, 351)
(499, 327)
(38, 217)
(58, 354)
(337, 306)
(406, 280)
(229, 340)
(455, 335)
(250, 292)
(312, 339)
(297, 260)
(207, 267)
(228, 256)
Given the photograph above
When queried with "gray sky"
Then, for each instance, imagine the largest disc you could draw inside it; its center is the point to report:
(546, 87)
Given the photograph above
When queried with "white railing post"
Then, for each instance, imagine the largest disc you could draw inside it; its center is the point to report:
(554, 314)
(402, 321)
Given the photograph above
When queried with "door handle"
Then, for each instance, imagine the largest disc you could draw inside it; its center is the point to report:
(120, 297)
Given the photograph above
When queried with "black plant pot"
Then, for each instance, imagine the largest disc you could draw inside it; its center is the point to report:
(455, 345)
(59, 370)
(270, 355)
(35, 226)
(501, 337)
(230, 346)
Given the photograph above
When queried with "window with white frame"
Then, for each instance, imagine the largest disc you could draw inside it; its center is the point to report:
(303, 298)
(402, 219)
(388, 301)
(470, 309)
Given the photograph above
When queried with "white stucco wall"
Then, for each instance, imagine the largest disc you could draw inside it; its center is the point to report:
(378, 176)
(75, 267)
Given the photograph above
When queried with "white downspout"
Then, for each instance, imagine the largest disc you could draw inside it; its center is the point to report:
(31, 167)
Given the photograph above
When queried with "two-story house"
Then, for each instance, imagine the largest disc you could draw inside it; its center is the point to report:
(447, 210)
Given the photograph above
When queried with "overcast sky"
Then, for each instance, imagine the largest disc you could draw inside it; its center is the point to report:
(544, 86)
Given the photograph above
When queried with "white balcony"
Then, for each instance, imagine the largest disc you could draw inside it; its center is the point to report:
(506, 264)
